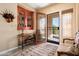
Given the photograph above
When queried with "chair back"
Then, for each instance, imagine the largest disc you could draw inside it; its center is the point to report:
(77, 44)
(77, 38)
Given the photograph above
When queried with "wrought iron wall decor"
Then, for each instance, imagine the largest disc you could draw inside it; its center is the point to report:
(7, 15)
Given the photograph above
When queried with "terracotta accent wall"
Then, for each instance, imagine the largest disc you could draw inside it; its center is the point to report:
(26, 13)
(32, 10)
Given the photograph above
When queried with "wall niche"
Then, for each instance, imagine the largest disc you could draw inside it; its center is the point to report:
(25, 19)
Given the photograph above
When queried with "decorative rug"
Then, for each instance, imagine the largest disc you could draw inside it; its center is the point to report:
(44, 49)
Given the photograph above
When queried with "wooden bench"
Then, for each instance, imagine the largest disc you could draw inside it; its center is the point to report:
(25, 39)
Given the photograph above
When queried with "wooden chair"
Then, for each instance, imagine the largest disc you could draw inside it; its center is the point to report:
(64, 49)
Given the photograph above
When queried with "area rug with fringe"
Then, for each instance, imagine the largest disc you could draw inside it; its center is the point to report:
(44, 49)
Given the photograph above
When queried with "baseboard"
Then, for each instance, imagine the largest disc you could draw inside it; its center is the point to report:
(5, 51)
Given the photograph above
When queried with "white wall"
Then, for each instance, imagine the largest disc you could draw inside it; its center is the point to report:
(8, 31)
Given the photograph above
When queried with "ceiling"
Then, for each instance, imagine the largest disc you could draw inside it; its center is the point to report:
(38, 5)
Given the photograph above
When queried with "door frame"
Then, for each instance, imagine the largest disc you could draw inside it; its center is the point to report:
(59, 25)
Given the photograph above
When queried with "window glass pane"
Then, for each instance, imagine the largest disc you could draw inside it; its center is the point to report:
(55, 21)
(42, 23)
(42, 26)
(55, 24)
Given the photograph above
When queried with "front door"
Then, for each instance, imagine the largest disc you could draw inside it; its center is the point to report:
(53, 28)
